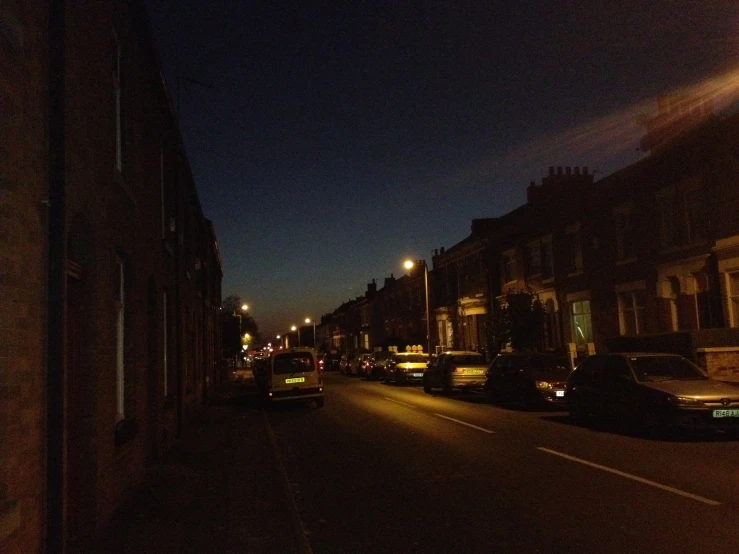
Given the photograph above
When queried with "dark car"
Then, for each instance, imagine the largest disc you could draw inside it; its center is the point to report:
(528, 379)
(377, 369)
(657, 392)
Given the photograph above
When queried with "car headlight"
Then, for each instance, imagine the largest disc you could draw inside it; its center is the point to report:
(543, 385)
(685, 401)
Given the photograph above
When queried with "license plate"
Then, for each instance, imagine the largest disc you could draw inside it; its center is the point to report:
(559, 393)
(725, 413)
(418, 375)
(474, 371)
(295, 380)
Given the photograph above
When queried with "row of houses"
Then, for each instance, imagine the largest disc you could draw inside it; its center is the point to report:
(649, 253)
(110, 272)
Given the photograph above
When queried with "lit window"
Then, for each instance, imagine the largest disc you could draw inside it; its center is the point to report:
(582, 327)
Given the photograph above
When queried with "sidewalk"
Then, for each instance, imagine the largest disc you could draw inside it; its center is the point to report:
(219, 490)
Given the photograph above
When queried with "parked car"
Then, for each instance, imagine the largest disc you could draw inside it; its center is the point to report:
(344, 364)
(377, 371)
(331, 362)
(351, 365)
(528, 379)
(405, 367)
(455, 369)
(657, 392)
(364, 362)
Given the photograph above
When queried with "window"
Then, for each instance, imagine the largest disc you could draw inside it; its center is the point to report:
(695, 214)
(574, 250)
(161, 188)
(510, 269)
(165, 339)
(533, 258)
(582, 328)
(547, 258)
(666, 207)
(117, 102)
(631, 312)
(120, 338)
(734, 298)
(624, 233)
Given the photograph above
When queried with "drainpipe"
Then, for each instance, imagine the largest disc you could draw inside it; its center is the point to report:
(56, 293)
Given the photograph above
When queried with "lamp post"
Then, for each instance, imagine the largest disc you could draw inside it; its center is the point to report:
(409, 265)
(293, 328)
(279, 339)
(309, 321)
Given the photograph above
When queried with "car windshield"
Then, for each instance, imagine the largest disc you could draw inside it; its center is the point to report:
(292, 362)
(665, 368)
(412, 359)
(468, 359)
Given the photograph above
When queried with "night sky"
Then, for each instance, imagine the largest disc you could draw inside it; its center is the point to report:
(331, 140)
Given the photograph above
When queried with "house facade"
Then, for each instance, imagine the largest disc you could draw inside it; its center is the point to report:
(111, 272)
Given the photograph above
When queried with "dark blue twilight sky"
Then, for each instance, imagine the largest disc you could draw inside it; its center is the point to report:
(335, 139)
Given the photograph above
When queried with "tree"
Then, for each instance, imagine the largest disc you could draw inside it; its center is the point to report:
(235, 323)
(518, 321)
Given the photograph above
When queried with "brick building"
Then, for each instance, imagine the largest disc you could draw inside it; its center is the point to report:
(110, 271)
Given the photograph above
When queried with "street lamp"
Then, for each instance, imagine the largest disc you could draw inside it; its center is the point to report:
(309, 321)
(244, 307)
(408, 264)
(293, 328)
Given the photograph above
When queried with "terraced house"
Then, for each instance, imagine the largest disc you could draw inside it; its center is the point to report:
(110, 271)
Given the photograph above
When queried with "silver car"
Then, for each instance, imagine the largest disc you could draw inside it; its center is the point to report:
(455, 369)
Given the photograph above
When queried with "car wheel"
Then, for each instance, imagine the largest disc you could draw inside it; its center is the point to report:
(426, 386)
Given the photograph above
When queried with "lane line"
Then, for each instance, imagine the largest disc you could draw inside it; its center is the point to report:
(399, 402)
(632, 477)
(467, 424)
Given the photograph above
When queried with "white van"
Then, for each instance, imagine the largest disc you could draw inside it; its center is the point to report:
(292, 375)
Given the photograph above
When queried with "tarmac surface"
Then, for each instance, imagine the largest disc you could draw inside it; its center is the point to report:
(222, 488)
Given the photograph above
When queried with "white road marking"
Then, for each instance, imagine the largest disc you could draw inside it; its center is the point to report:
(399, 402)
(632, 477)
(467, 424)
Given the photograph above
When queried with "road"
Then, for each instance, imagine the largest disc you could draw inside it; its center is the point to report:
(391, 469)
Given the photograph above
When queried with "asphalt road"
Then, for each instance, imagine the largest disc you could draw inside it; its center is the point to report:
(391, 469)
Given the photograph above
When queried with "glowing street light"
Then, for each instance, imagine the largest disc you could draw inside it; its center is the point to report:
(294, 328)
(245, 307)
(309, 321)
(408, 264)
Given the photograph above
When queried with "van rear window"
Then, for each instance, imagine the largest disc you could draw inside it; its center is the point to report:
(292, 362)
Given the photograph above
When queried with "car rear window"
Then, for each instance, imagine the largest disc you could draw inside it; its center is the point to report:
(292, 362)
(468, 359)
(412, 359)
